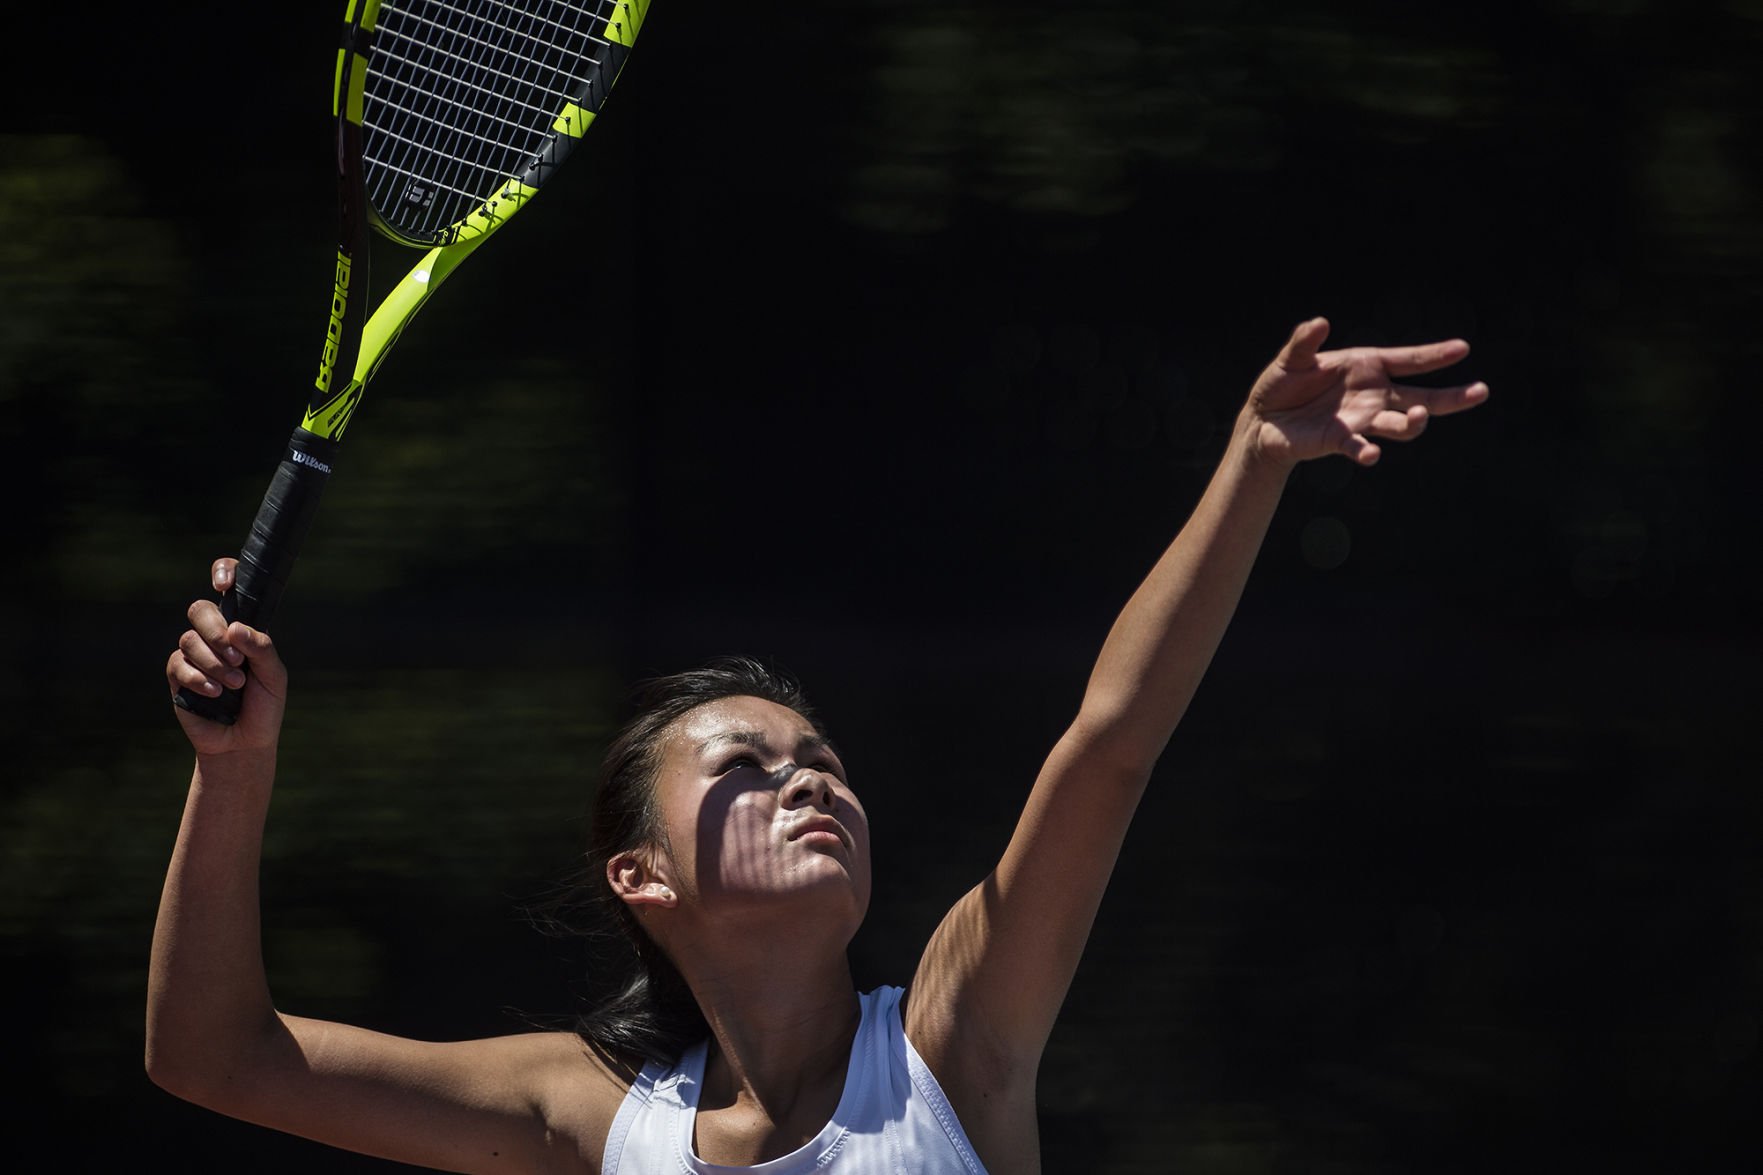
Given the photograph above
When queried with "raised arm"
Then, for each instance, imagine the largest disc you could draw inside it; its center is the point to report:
(997, 969)
(526, 1102)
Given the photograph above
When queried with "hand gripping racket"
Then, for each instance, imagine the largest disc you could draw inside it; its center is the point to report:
(451, 115)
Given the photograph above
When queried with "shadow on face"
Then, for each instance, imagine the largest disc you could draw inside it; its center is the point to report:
(761, 798)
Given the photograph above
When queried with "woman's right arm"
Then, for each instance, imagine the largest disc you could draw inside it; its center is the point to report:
(209, 1014)
(534, 1101)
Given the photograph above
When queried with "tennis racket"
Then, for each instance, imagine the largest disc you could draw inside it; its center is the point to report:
(450, 116)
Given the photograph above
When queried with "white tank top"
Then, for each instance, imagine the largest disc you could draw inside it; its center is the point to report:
(892, 1119)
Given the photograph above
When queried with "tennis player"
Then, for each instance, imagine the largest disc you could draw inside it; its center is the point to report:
(731, 845)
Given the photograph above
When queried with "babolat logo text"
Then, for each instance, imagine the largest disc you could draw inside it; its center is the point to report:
(333, 331)
(299, 458)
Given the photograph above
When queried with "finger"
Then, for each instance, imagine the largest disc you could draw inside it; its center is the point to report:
(1440, 401)
(205, 660)
(1423, 357)
(181, 675)
(1359, 450)
(1307, 338)
(265, 663)
(1398, 426)
(211, 626)
(222, 573)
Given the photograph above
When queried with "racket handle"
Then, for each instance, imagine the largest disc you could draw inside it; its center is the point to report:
(267, 558)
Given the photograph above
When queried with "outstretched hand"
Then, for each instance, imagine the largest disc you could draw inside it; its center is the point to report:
(1310, 403)
(213, 653)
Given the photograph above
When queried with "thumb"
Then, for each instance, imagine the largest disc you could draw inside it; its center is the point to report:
(1300, 350)
(260, 655)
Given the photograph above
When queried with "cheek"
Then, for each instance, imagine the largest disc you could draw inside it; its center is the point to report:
(858, 821)
(735, 849)
(682, 823)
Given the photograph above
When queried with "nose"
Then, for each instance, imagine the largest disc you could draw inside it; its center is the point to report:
(806, 787)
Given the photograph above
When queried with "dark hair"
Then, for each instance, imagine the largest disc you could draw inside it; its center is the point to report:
(649, 1011)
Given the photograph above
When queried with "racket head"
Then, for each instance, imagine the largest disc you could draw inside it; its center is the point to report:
(450, 115)
(467, 106)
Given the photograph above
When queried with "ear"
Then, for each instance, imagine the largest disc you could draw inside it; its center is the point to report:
(639, 881)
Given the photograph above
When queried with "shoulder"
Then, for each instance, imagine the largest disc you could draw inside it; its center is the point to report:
(576, 1088)
(882, 1001)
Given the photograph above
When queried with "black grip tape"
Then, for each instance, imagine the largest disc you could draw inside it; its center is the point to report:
(269, 552)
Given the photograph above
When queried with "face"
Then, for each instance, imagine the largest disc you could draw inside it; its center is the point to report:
(758, 808)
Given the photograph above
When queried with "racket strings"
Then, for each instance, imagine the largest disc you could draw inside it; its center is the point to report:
(462, 95)
(474, 74)
(422, 164)
(454, 93)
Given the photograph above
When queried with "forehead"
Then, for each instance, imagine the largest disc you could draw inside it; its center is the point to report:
(743, 720)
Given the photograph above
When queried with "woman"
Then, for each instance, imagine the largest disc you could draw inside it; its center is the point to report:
(738, 853)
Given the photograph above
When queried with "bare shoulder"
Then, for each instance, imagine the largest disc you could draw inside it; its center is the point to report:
(576, 1090)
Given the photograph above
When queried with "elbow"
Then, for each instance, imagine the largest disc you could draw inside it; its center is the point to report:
(205, 1071)
(1107, 739)
(167, 1076)
(168, 1065)
(157, 1060)
(189, 1079)
(173, 1070)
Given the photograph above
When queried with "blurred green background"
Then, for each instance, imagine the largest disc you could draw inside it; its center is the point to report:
(892, 342)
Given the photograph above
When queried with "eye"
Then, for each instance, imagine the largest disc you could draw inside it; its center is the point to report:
(737, 763)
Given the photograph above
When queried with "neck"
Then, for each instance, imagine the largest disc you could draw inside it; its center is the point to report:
(782, 1018)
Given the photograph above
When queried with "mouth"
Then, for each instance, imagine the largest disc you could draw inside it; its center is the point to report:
(822, 830)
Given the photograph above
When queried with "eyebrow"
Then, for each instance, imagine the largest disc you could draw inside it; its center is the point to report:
(758, 741)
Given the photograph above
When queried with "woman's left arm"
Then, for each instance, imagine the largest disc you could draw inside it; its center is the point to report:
(995, 973)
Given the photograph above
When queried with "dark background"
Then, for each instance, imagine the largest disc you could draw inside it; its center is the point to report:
(893, 342)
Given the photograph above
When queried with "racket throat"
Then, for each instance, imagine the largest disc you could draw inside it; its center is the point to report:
(338, 385)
